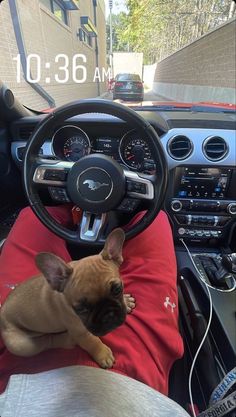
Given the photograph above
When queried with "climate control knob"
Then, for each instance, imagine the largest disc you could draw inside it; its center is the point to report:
(176, 205)
(231, 208)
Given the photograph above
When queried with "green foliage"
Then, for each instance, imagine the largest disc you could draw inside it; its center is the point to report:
(160, 27)
(119, 23)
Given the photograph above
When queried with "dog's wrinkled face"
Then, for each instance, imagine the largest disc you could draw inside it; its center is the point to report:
(92, 286)
(95, 292)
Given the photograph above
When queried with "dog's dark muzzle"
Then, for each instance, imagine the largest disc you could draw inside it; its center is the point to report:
(106, 318)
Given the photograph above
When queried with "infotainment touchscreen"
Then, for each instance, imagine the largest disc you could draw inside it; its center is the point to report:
(198, 182)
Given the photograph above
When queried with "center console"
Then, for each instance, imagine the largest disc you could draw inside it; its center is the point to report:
(202, 205)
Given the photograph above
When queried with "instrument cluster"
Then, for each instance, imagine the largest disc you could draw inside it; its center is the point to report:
(132, 150)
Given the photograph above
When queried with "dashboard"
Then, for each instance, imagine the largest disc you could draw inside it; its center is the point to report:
(190, 133)
(200, 150)
(71, 143)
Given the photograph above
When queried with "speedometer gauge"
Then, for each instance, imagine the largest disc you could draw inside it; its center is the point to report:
(134, 151)
(70, 143)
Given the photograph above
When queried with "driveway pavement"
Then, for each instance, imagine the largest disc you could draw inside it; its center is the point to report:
(149, 95)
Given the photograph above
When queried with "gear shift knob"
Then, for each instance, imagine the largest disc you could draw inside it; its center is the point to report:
(229, 262)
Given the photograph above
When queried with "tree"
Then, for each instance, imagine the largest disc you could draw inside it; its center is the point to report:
(160, 27)
(119, 22)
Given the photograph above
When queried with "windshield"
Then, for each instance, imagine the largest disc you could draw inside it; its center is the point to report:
(140, 52)
(128, 77)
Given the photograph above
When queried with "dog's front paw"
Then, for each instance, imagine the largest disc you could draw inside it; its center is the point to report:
(105, 357)
(129, 302)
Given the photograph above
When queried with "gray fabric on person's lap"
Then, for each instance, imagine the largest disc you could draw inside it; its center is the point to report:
(80, 391)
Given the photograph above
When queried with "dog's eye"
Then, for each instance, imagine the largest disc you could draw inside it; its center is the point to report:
(80, 310)
(116, 288)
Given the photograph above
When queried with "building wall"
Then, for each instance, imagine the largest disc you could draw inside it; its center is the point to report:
(203, 70)
(47, 36)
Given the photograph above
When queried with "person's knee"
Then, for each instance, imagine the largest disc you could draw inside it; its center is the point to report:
(62, 214)
(162, 215)
(27, 213)
(28, 220)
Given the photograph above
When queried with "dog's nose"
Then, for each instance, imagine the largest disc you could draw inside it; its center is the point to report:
(108, 317)
(107, 321)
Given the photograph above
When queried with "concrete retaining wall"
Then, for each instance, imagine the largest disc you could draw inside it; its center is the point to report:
(148, 75)
(203, 70)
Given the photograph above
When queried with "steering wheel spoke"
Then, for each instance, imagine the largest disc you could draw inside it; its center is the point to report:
(91, 226)
(51, 173)
(139, 186)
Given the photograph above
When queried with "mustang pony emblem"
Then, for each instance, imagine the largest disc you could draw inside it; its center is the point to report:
(95, 185)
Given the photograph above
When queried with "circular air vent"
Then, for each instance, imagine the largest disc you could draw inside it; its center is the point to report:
(180, 147)
(215, 148)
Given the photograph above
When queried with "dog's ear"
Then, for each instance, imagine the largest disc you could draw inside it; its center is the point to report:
(55, 270)
(113, 246)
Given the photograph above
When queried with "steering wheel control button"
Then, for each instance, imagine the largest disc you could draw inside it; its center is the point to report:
(128, 205)
(48, 175)
(136, 187)
(96, 183)
(58, 194)
(55, 175)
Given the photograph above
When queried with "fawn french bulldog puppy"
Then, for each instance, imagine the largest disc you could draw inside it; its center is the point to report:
(69, 304)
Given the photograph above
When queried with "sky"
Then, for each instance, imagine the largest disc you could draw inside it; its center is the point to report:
(118, 6)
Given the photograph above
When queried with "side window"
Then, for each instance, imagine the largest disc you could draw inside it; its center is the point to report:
(56, 7)
(59, 12)
(83, 36)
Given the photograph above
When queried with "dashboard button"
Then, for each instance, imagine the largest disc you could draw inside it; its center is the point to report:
(182, 194)
(231, 208)
(182, 219)
(223, 220)
(199, 233)
(176, 205)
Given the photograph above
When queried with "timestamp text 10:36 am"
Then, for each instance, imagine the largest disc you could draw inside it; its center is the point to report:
(67, 69)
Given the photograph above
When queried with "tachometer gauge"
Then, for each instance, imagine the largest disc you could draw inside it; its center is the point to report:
(70, 143)
(75, 148)
(134, 151)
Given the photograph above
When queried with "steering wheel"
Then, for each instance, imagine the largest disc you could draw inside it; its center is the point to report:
(95, 183)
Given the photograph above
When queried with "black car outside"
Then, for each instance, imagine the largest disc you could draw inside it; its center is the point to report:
(128, 86)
